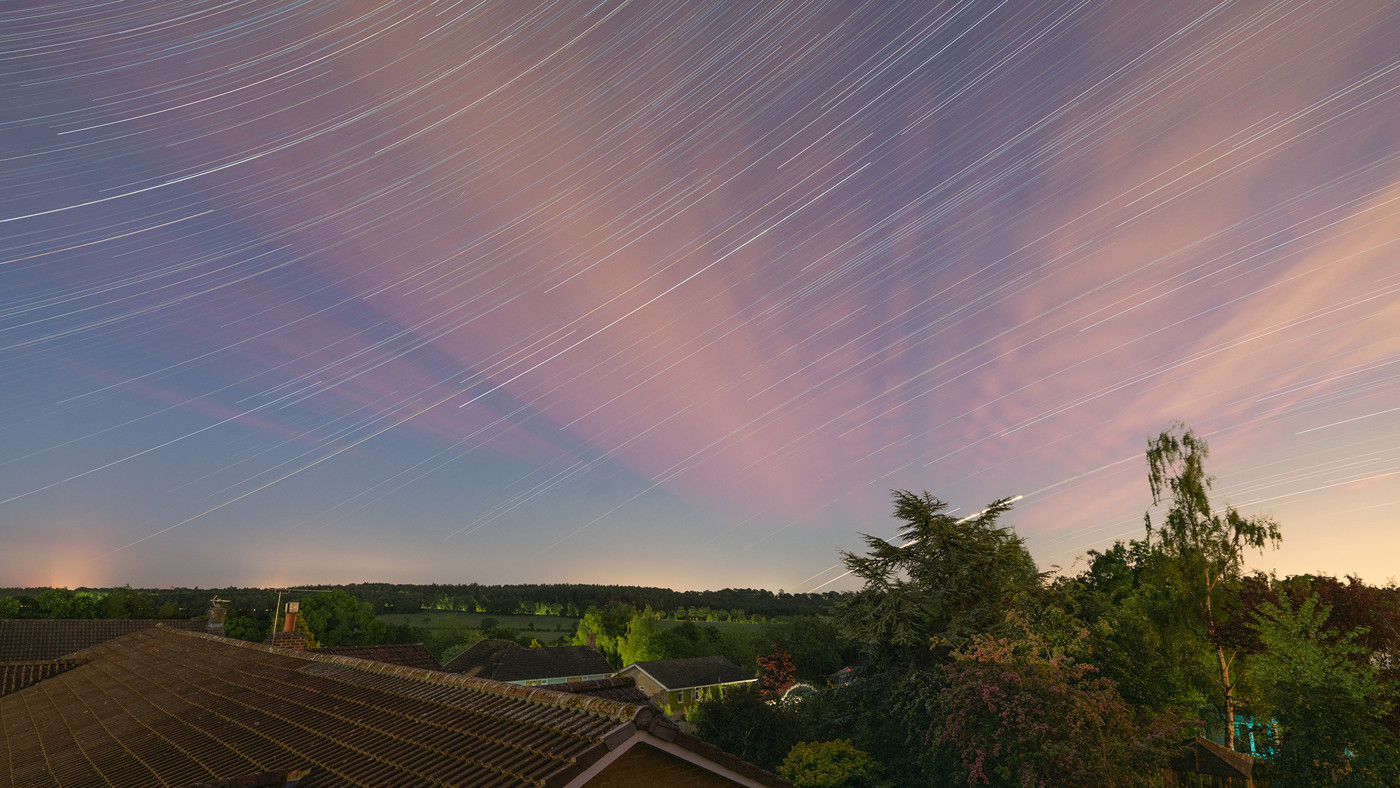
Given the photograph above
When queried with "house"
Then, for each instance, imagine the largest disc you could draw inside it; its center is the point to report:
(164, 706)
(623, 688)
(506, 660)
(681, 683)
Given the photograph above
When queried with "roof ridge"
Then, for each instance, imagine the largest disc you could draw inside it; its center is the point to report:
(623, 712)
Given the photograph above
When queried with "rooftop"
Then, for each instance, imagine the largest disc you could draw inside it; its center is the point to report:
(48, 639)
(674, 674)
(506, 660)
(165, 706)
(411, 655)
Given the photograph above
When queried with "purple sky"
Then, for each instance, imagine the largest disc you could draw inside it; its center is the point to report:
(674, 293)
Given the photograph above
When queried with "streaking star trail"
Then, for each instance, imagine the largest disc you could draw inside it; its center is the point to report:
(409, 291)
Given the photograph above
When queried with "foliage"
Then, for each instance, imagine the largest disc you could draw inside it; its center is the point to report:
(946, 581)
(815, 644)
(1142, 635)
(338, 619)
(606, 624)
(1201, 551)
(62, 603)
(639, 643)
(451, 652)
(774, 673)
(828, 764)
(1019, 712)
(1326, 698)
(125, 602)
(950, 579)
(1370, 614)
(740, 722)
(245, 628)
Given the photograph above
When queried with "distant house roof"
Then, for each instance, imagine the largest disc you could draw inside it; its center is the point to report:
(411, 655)
(47, 639)
(1203, 756)
(164, 706)
(506, 660)
(674, 674)
(620, 688)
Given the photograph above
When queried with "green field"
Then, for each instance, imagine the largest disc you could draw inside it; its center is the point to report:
(547, 629)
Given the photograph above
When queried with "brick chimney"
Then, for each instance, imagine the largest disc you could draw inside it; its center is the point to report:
(592, 641)
(289, 637)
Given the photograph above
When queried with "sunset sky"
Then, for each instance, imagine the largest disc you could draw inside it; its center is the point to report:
(674, 293)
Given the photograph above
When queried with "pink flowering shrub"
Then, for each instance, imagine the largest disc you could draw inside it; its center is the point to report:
(1018, 713)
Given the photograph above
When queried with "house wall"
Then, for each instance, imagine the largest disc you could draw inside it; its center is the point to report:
(678, 700)
(646, 684)
(643, 767)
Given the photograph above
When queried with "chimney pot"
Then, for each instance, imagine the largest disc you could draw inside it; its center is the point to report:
(593, 641)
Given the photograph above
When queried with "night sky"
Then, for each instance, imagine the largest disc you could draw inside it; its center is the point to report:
(674, 293)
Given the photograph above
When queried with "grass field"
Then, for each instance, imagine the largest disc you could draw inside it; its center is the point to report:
(547, 629)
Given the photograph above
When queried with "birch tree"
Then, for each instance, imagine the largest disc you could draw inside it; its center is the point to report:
(1204, 548)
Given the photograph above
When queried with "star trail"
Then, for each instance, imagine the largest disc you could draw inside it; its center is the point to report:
(674, 293)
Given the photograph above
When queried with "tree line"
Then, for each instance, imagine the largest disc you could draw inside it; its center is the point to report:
(560, 599)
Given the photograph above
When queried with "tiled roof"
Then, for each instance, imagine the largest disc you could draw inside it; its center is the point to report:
(276, 778)
(15, 676)
(505, 660)
(620, 688)
(46, 639)
(163, 706)
(674, 674)
(411, 655)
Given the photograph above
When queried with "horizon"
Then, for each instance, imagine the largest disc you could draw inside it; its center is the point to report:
(676, 292)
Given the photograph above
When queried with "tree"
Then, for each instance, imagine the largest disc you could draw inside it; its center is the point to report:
(1203, 550)
(774, 673)
(1142, 635)
(740, 722)
(607, 625)
(1326, 699)
(1018, 712)
(124, 602)
(815, 644)
(950, 579)
(62, 603)
(338, 619)
(245, 628)
(639, 644)
(828, 764)
(18, 607)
